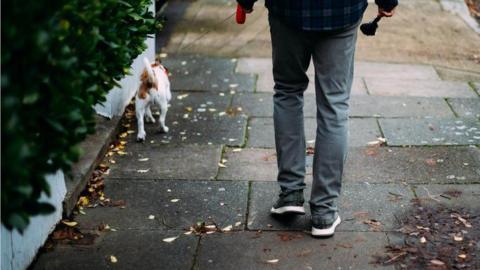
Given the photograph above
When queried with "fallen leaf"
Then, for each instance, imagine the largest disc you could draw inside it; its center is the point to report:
(113, 259)
(82, 201)
(431, 162)
(437, 262)
(170, 239)
(228, 228)
(423, 240)
(221, 165)
(457, 238)
(70, 223)
(462, 256)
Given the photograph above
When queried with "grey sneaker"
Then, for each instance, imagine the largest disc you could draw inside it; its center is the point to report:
(289, 203)
(320, 228)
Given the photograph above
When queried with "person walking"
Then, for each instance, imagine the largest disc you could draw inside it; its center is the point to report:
(324, 32)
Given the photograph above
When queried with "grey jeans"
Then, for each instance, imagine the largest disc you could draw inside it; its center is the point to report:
(333, 57)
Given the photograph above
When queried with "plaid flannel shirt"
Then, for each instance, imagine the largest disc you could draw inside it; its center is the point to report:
(319, 15)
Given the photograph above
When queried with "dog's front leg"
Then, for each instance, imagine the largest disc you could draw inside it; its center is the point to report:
(140, 106)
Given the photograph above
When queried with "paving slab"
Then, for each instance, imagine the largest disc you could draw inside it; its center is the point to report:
(369, 164)
(265, 83)
(359, 204)
(153, 161)
(293, 250)
(459, 131)
(419, 88)
(395, 71)
(261, 105)
(197, 73)
(249, 164)
(174, 204)
(261, 133)
(134, 249)
(452, 196)
(198, 118)
(362, 69)
(399, 107)
(413, 165)
(465, 107)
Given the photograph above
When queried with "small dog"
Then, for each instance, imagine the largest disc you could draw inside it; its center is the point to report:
(154, 90)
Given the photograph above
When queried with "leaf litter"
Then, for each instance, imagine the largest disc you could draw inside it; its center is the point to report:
(434, 236)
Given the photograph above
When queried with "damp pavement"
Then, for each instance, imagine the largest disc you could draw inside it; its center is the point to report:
(413, 135)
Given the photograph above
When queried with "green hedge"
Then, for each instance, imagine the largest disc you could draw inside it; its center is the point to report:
(59, 58)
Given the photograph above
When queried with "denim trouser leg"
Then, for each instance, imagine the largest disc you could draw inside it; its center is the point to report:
(333, 57)
(290, 63)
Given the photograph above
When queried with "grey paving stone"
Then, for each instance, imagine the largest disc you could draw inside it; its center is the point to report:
(199, 118)
(293, 250)
(261, 132)
(224, 203)
(380, 106)
(150, 161)
(134, 249)
(249, 164)
(395, 71)
(362, 69)
(261, 105)
(419, 88)
(452, 196)
(463, 131)
(199, 73)
(414, 165)
(465, 107)
(358, 204)
(265, 84)
(372, 165)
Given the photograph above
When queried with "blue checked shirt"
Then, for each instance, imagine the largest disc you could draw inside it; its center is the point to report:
(319, 15)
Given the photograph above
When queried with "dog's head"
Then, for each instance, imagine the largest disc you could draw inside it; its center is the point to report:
(148, 82)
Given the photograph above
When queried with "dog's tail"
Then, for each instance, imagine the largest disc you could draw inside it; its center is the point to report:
(148, 67)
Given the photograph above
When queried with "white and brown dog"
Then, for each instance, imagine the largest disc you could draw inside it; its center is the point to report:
(154, 90)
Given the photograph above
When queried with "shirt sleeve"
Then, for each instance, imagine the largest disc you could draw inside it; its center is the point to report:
(246, 4)
(387, 5)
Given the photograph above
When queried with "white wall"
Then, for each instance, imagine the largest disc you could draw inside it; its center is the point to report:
(18, 250)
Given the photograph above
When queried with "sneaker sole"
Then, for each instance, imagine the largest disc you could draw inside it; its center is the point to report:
(288, 210)
(328, 231)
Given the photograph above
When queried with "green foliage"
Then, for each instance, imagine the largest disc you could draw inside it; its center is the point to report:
(59, 58)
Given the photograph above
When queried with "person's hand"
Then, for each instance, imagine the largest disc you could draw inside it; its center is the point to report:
(248, 10)
(384, 13)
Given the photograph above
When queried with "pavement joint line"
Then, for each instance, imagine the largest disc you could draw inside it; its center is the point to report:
(222, 155)
(365, 85)
(381, 130)
(247, 211)
(195, 254)
(246, 135)
(451, 107)
(472, 85)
